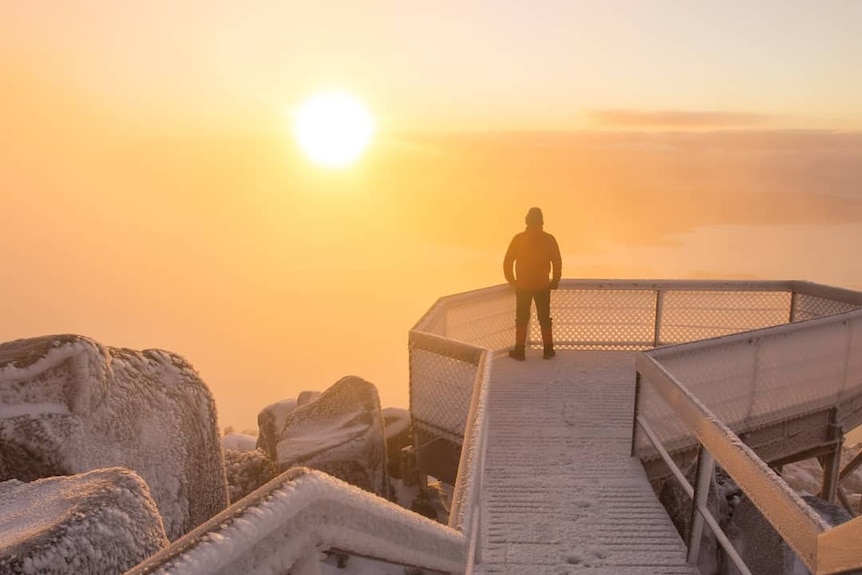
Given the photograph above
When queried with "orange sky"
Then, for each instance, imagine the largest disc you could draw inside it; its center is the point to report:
(454, 65)
(151, 196)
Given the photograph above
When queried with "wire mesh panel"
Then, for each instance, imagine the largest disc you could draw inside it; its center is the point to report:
(692, 315)
(749, 381)
(602, 319)
(487, 322)
(665, 423)
(440, 391)
(806, 306)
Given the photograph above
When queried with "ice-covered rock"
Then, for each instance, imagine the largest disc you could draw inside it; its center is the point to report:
(270, 423)
(70, 405)
(246, 471)
(101, 522)
(271, 420)
(396, 422)
(306, 397)
(341, 433)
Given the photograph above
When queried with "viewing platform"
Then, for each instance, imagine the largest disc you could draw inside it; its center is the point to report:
(554, 462)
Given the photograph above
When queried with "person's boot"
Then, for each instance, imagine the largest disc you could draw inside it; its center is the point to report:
(548, 341)
(520, 343)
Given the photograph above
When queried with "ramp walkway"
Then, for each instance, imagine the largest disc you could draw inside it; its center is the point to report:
(561, 492)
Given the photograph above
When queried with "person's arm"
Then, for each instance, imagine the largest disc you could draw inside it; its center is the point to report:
(509, 262)
(556, 264)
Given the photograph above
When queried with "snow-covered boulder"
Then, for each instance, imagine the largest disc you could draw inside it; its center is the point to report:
(270, 423)
(306, 397)
(101, 522)
(246, 471)
(340, 433)
(271, 420)
(396, 423)
(70, 405)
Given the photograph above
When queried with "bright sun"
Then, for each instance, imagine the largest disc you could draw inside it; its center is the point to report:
(333, 129)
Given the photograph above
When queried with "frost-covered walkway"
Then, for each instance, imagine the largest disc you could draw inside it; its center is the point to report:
(561, 493)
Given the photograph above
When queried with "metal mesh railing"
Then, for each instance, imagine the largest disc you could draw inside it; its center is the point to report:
(595, 314)
(447, 344)
(707, 393)
(760, 378)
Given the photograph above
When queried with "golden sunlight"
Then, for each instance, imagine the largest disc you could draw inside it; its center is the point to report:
(333, 129)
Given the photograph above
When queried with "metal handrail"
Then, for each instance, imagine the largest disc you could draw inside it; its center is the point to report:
(822, 549)
(467, 509)
(287, 521)
(717, 434)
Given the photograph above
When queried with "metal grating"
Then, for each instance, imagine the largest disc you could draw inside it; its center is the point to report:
(487, 322)
(807, 306)
(751, 381)
(441, 390)
(629, 315)
(601, 319)
(695, 315)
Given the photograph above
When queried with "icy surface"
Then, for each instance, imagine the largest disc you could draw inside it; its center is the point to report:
(341, 433)
(100, 522)
(299, 511)
(70, 405)
(561, 493)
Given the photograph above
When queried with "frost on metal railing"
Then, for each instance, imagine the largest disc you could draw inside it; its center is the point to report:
(707, 393)
(587, 317)
(290, 519)
(466, 511)
(814, 300)
(762, 377)
(695, 314)
(483, 318)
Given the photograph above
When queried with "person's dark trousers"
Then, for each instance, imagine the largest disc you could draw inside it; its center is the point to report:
(523, 301)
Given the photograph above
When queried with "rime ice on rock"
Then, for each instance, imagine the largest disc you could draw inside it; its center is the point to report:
(341, 433)
(70, 405)
(270, 423)
(101, 522)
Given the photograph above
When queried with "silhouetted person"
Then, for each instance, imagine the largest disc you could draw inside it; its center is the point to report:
(535, 255)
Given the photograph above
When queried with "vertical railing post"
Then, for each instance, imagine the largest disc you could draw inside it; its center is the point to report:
(705, 468)
(832, 461)
(635, 416)
(792, 316)
(659, 305)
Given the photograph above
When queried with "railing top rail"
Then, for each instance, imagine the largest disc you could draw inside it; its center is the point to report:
(287, 504)
(466, 352)
(752, 335)
(797, 523)
(827, 292)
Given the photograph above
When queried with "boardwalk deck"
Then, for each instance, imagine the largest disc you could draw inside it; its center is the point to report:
(561, 493)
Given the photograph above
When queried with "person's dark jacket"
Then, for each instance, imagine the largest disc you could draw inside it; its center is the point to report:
(536, 256)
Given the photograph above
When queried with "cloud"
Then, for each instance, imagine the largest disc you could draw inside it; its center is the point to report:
(678, 119)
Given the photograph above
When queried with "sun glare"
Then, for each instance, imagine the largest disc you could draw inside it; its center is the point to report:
(333, 129)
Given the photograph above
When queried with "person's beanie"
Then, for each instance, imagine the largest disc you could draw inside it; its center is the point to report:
(534, 217)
